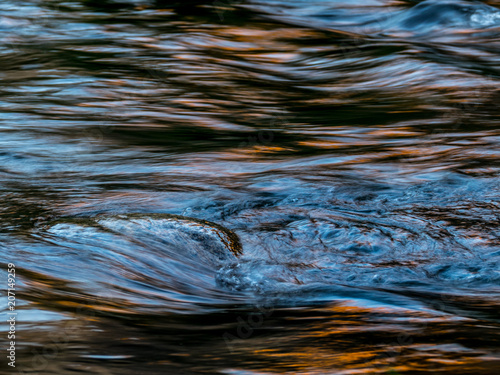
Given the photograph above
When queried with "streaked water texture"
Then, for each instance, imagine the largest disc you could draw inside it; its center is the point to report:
(249, 187)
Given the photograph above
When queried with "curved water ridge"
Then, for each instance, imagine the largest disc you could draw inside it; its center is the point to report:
(433, 14)
(130, 263)
(380, 18)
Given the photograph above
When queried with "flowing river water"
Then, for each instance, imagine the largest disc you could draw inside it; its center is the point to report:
(251, 187)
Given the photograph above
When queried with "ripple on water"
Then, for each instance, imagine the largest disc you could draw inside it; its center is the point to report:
(131, 263)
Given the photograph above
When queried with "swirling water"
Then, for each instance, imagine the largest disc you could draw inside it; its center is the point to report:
(248, 187)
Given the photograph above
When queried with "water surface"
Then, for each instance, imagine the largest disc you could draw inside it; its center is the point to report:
(247, 187)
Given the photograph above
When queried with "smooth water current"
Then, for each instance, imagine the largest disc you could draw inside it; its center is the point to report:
(251, 187)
